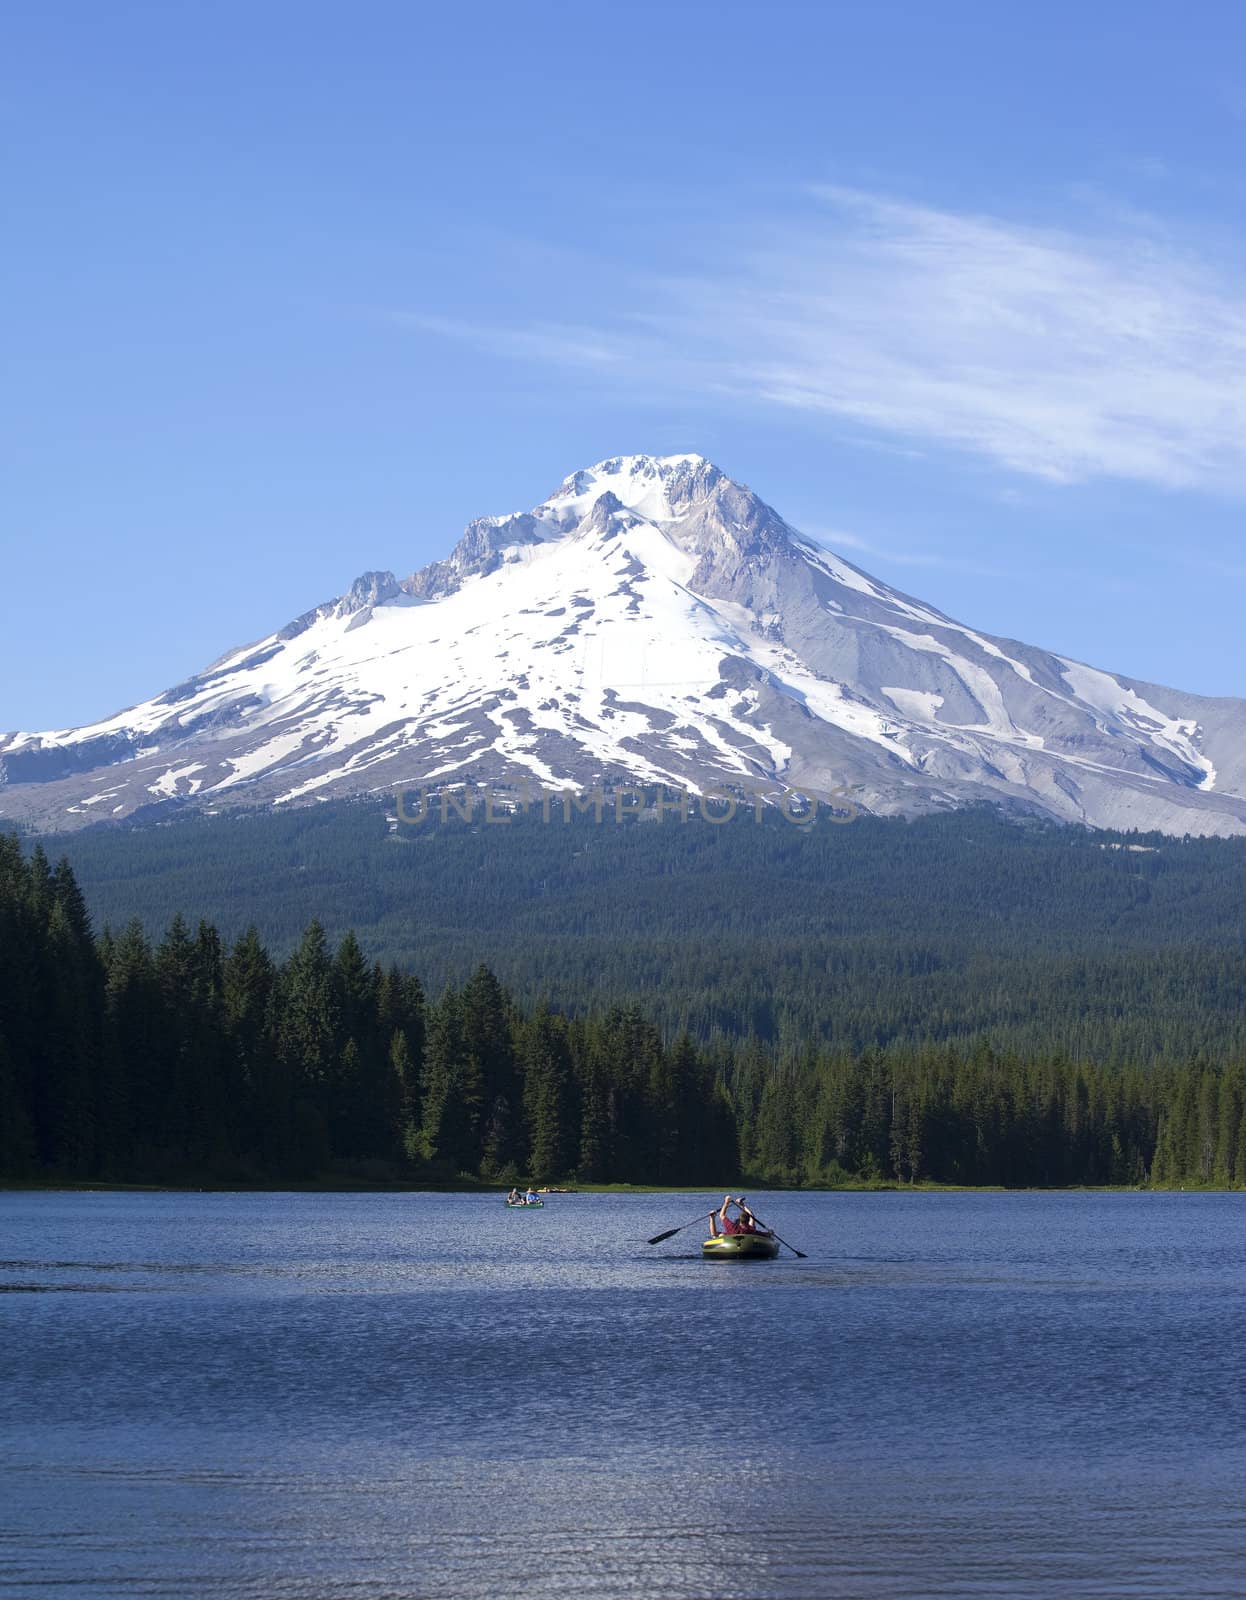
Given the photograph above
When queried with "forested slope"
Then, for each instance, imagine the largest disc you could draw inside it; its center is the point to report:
(960, 928)
(199, 1060)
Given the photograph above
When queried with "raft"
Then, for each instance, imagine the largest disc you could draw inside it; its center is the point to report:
(525, 1205)
(741, 1247)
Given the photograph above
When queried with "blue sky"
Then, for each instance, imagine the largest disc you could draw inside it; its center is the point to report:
(292, 291)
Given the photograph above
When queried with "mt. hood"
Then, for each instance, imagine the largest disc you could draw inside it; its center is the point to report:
(651, 622)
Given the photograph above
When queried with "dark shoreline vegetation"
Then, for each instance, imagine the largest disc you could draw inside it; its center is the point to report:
(196, 1060)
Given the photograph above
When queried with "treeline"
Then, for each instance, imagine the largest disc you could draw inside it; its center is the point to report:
(124, 1061)
(945, 1115)
(191, 1059)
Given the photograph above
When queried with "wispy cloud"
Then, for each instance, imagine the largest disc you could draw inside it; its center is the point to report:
(542, 342)
(1059, 355)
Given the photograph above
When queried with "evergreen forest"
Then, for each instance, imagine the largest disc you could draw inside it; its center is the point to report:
(963, 928)
(196, 1056)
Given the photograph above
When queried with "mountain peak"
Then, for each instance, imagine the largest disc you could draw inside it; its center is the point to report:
(659, 488)
(665, 490)
(653, 621)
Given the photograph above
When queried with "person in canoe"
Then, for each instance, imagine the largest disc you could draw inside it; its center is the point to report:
(514, 1198)
(531, 1199)
(742, 1222)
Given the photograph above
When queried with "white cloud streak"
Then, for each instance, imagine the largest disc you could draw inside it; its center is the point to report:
(1060, 356)
(555, 345)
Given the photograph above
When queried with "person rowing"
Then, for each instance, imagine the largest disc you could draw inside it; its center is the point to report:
(742, 1222)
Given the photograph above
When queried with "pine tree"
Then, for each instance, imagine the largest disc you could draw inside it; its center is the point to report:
(306, 1026)
(452, 1091)
(356, 1091)
(17, 1145)
(1228, 1119)
(1239, 1164)
(485, 1016)
(182, 1111)
(264, 1109)
(136, 1068)
(595, 1163)
(72, 1046)
(548, 1107)
(403, 1098)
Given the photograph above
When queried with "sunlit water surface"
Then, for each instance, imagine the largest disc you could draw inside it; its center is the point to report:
(385, 1396)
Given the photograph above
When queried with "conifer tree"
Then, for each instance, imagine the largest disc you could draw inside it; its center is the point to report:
(181, 1108)
(72, 1046)
(17, 1145)
(486, 1021)
(595, 1162)
(403, 1094)
(263, 1085)
(1228, 1118)
(306, 1026)
(545, 1060)
(136, 1066)
(452, 1090)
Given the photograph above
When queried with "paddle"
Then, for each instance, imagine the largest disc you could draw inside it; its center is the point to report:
(671, 1232)
(774, 1235)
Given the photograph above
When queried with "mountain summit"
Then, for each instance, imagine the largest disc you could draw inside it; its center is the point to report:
(652, 621)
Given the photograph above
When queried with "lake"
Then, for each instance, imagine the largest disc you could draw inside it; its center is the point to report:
(391, 1396)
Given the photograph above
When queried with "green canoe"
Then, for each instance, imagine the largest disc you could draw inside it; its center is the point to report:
(525, 1205)
(741, 1247)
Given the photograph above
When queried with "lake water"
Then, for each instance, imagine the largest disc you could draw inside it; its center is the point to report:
(390, 1396)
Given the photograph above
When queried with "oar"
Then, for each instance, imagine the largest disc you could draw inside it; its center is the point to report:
(774, 1235)
(671, 1232)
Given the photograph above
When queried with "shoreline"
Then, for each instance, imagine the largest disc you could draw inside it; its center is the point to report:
(53, 1186)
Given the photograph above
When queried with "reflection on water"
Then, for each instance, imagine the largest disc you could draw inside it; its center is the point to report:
(400, 1396)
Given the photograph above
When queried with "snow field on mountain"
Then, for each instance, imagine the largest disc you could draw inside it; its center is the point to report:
(667, 634)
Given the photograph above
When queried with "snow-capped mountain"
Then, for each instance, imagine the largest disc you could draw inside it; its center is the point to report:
(651, 622)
